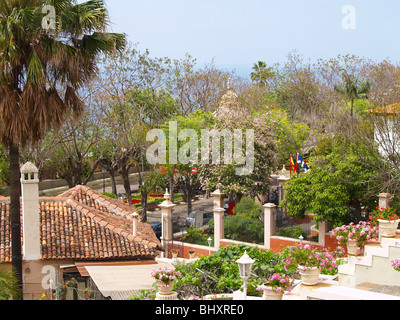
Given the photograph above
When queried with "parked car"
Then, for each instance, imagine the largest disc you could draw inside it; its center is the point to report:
(156, 228)
(207, 216)
(226, 207)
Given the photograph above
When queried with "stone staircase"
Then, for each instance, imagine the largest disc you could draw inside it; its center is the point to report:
(374, 267)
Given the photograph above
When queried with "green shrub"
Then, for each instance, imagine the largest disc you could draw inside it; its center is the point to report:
(110, 195)
(293, 232)
(219, 273)
(195, 236)
(247, 208)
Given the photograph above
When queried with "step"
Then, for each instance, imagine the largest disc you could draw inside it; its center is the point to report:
(377, 258)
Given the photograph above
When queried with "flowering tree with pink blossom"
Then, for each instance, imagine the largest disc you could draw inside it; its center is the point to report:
(258, 180)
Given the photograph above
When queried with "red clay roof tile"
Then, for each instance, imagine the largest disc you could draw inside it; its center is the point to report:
(81, 224)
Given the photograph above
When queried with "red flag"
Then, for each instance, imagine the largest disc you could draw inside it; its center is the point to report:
(292, 164)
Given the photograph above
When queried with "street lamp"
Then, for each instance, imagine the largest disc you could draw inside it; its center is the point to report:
(245, 264)
(209, 246)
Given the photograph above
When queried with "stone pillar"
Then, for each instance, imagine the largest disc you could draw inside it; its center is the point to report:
(30, 212)
(281, 181)
(284, 176)
(269, 224)
(321, 233)
(219, 213)
(218, 198)
(166, 220)
(218, 226)
(384, 200)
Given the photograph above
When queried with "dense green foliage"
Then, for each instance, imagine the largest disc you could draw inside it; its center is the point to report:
(338, 185)
(247, 208)
(219, 273)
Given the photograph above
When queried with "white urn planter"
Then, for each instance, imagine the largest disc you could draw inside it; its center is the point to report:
(353, 249)
(271, 294)
(309, 276)
(387, 228)
(164, 289)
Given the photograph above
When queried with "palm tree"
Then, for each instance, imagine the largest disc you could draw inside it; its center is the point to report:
(8, 285)
(353, 90)
(41, 71)
(261, 73)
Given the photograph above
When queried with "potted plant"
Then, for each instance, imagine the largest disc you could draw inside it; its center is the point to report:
(174, 253)
(165, 278)
(354, 235)
(87, 294)
(387, 219)
(396, 265)
(191, 254)
(276, 286)
(309, 262)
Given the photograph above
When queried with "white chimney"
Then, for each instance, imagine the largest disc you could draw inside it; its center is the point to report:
(135, 218)
(30, 212)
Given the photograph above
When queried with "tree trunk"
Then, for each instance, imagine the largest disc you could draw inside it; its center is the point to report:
(189, 194)
(144, 205)
(352, 121)
(127, 185)
(113, 183)
(171, 186)
(15, 212)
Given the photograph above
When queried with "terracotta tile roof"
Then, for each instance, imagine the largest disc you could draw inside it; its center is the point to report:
(82, 224)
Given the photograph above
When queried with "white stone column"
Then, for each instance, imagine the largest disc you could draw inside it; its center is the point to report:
(218, 198)
(30, 212)
(219, 214)
(218, 226)
(166, 219)
(281, 181)
(269, 223)
(321, 233)
(384, 200)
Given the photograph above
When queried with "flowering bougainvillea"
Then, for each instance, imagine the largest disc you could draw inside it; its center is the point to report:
(396, 264)
(165, 275)
(309, 258)
(360, 232)
(279, 283)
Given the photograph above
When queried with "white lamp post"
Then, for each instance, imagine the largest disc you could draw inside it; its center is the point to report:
(209, 246)
(245, 264)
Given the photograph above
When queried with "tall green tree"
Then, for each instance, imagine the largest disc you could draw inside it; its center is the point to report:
(39, 54)
(261, 74)
(351, 90)
(340, 183)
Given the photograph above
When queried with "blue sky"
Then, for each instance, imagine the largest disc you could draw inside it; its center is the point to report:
(238, 33)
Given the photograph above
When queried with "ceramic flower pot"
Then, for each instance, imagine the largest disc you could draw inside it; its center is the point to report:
(309, 276)
(174, 255)
(165, 289)
(353, 249)
(387, 228)
(192, 255)
(270, 294)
